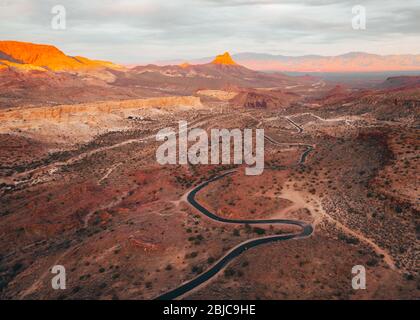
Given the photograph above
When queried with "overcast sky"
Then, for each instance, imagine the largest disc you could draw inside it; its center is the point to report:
(137, 31)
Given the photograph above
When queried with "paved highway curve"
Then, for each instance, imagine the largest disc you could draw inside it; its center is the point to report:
(306, 231)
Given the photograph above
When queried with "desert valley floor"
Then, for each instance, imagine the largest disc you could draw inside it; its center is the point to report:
(77, 194)
(80, 185)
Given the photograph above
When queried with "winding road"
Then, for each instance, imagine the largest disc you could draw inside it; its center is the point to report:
(306, 229)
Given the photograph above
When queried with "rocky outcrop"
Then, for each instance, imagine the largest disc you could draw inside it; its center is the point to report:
(259, 99)
(63, 111)
(224, 59)
(23, 55)
(401, 82)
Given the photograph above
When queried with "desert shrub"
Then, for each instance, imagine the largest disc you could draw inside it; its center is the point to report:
(17, 267)
(372, 262)
(197, 269)
(259, 231)
(229, 273)
(191, 255)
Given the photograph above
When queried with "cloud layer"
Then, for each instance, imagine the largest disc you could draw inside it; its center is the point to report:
(130, 31)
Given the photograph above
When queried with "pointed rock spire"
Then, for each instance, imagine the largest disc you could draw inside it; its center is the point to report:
(224, 59)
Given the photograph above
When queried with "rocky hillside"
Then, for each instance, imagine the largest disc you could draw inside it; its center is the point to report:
(401, 82)
(264, 99)
(40, 75)
(29, 56)
(63, 111)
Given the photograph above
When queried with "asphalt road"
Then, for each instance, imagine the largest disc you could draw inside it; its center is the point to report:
(306, 231)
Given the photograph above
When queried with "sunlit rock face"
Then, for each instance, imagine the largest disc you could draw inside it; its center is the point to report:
(29, 56)
(224, 59)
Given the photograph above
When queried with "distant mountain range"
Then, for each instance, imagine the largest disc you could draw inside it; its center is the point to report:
(33, 74)
(28, 56)
(43, 75)
(221, 72)
(350, 62)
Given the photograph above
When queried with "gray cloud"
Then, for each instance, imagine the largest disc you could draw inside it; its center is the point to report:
(130, 31)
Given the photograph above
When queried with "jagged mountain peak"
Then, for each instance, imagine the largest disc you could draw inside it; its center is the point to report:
(224, 59)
